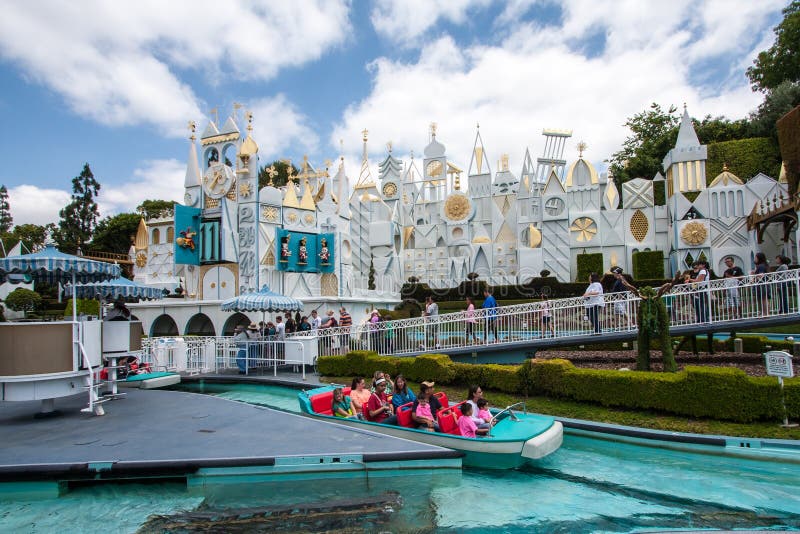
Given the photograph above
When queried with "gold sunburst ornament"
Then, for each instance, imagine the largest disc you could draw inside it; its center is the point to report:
(456, 207)
(141, 259)
(694, 233)
(244, 190)
(585, 228)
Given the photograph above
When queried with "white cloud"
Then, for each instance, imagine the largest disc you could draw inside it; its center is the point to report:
(117, 62)
(536, 79)
(35, 205)
(404, 21)
(278, 125)
(159, 179)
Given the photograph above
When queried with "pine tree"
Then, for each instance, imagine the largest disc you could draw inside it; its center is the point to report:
(6, 221)
(371, 277)
(79, 217)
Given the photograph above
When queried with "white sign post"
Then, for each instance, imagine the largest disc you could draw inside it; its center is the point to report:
(779, 363)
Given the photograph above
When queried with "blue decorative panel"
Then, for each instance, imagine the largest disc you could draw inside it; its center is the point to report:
(187, 232)
(303, 253)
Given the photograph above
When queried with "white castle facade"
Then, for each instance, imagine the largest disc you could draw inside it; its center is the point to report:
(320, 237)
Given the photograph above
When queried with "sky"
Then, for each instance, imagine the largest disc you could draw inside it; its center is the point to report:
(114, 83)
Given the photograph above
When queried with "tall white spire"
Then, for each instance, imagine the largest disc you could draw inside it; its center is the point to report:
(687, 137)
(192, 178)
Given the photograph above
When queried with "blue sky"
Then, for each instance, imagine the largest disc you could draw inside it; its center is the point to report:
(114, 83)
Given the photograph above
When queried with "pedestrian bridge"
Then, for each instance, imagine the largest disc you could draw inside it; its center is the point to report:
(724, 305)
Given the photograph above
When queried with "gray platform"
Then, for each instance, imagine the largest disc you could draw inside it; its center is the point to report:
(152, 432)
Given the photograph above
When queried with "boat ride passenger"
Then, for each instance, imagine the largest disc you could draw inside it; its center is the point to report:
(466, 425)
(380, 374)
(379, 409)
(359, 394)
(422, 415)
(473, 396)
(402, 393)
(426, 388)
(483, 410)
(341, 406)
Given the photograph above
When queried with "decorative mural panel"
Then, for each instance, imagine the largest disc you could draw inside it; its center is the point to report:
(187, 226)
(639, 226)
(303, 252)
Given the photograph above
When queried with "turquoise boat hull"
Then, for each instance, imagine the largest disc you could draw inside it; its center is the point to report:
(513, 443)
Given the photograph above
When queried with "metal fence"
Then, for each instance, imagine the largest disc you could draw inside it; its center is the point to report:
(724, 300)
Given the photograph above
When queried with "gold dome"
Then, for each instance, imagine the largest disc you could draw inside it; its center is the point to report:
(249, 148)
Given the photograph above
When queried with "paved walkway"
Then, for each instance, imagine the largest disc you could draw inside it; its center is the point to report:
(153, 431)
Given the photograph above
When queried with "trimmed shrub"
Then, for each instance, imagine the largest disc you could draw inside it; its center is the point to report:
(588, 264)
(648, 264)
(744, 157)
(433, 367)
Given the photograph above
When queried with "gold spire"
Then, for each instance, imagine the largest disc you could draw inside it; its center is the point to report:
(364, 134)
(290, 199)
(249, 147)
(272, 172)
(307, 203)
(581, 146)
(192, 128)
(433, 129)
(141, 240)
(215, 112)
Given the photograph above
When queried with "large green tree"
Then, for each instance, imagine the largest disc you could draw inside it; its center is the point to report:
(79, 217)
(280, 170)
(6, 221)
(781, 61)
(653, 133)
(31, 235)
(24, 300)
(113, 234)
(151, 209)
(776, 104)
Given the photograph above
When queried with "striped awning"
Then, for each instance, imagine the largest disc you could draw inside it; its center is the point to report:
(52, 266)
(118, 287)
(262, 300)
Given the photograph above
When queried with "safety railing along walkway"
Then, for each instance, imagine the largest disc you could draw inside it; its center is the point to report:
(693, 308)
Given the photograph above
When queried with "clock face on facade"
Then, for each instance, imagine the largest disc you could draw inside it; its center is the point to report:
(433, 169)
(217, 180)
(389, 190)
(554, 206)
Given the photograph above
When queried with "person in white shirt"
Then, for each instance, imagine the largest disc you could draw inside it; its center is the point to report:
(280, 328)
(594, 301)
(701, 296)
(316, 320)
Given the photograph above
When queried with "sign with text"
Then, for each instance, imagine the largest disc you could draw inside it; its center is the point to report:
(779, 363)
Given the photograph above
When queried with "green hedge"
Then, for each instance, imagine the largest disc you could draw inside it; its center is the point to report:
(648, 264)
(713, 392)
(588, 264)
(744, 157)
(788, 128)
(84, 306)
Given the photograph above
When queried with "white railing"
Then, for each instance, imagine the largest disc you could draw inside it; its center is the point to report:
(725, 300)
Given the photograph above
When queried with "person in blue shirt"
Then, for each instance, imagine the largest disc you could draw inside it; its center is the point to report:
(490, 305)
(402, 393)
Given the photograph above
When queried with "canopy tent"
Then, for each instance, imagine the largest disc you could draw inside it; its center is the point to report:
(112, 289)
(263, 300)
(52, 266)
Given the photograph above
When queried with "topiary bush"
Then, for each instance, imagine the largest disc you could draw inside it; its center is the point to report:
(648, 264)
(588, 264)
(84, 306)
(24, 300)
(433, 367)
(744, 157)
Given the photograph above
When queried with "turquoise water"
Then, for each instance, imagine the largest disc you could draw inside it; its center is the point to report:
(589, 485)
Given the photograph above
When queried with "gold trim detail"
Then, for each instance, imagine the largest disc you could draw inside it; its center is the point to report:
(221, 138)
(639, 226)
(694, 233)
(585, 227)
(457, 207)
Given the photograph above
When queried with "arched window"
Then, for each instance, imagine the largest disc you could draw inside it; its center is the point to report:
(156, 236)
(170, 234)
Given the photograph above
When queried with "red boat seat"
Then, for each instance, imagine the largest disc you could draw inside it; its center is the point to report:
(346, 391)
(322, 403)
(442, 396)
(404, 417)
(448, 419)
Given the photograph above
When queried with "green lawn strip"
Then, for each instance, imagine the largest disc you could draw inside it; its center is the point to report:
(617, 416)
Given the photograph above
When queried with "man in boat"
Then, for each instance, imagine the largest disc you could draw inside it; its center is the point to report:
(379, 409)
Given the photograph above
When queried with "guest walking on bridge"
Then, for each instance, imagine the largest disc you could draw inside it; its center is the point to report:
(594, 301)
(763, 292)
(490, 305)
(783, 287)
(732, 275)
(699, 278)
(469, 313)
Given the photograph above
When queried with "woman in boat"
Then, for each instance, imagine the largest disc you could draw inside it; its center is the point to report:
(342, 406)
(402, 393)
(379, 409)
(473, 396)
(426, 388)
(380, 374)
(359, 395)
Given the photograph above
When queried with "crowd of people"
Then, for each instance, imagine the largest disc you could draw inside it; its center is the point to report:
(380, 403)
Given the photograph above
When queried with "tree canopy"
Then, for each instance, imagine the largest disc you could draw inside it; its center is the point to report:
(31, 235)
(6, 221)
(151, 209)
(781, 61)
(24, 300)
(79, 217)
(113, 234)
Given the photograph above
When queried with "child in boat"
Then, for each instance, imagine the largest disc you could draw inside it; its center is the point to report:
(466, 425)
(483, 410)
(423, 415)
(342, 406)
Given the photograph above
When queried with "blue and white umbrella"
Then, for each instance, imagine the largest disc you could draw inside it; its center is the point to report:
(53, 266)
(112, 289)
(263, 300)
